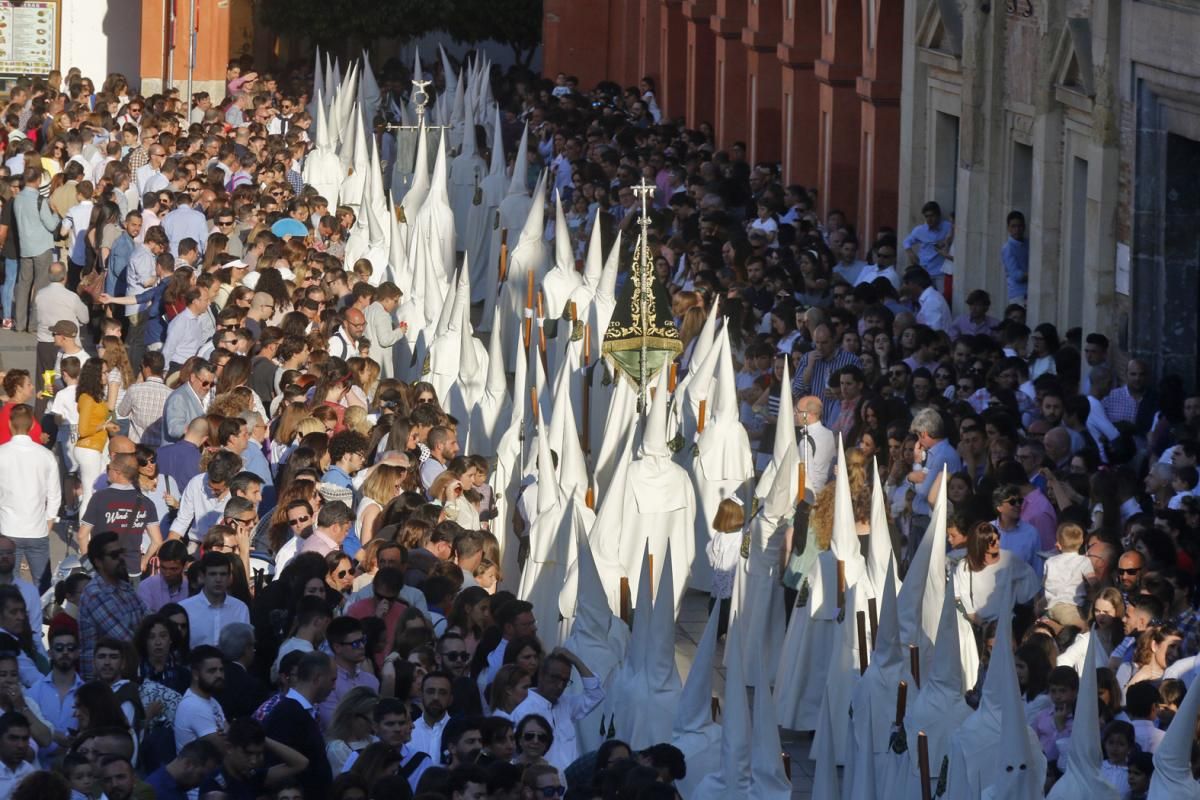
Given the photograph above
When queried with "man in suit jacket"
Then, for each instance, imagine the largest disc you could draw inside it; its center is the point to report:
(187, 402)
(293, 721)
(381, 332)
(244, 691)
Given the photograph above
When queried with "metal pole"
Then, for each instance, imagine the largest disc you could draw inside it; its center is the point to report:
(191, 49)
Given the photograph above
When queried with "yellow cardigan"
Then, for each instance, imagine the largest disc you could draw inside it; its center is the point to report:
(93, 417)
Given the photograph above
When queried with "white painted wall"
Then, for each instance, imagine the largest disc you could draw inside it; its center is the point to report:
(101, 36)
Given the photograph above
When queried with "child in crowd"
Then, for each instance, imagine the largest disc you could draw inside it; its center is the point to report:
(1183, 482)
(81, 776)
(1118, 745)
(486, 574)
(1141, 769)
(724, 546)
(1053, 726)
(1066, 577)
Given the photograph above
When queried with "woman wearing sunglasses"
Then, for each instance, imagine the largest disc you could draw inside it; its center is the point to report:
(534, 738)
(160, 489)
(339, 574)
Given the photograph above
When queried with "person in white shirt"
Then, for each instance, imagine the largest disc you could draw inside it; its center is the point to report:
(515, 620)
(212, 609)
(75, 226)
(199, 715)
(437, 693)
(818, 446)
(204, 497)
(562, 711)
(186, 333)
(30, 493)
(14, 747)
(1066, 577)
(933, 310)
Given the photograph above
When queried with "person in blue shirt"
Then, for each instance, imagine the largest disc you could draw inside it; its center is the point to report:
(926, 239)
(1016, 536)
(196, 761)
(1014, 255)
(347, 455)
(930, 430)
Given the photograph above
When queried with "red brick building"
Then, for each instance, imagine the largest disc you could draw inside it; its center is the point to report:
(811, 84)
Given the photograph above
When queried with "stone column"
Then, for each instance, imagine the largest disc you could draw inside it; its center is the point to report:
(879, 90)
(624, 41)
(701, 61)
(764, 78)
(837, 72)
(212, 47)
(673, 59)
(800, 112)
(728, 22)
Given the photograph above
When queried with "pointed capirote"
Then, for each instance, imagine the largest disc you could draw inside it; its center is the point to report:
(535, 223)
(844, 543)
(1022, 765)
(785, 434)
(879, 541)
(826, 785)
(654, 440)
(520, 171)
(768, 779)
(417, 192)
(498, 165)
(1081, 762)
(548, 494)
(593, 263)
(318, 83)
(1172, 779)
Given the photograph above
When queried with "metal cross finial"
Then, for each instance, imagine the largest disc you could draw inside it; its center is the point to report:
(644, 191)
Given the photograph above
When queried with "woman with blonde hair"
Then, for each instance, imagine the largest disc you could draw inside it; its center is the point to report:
(350, 730)
(820, 522)
(689, 333)
(356, 420)
(285, 431)
(119, 373)
(384, 484)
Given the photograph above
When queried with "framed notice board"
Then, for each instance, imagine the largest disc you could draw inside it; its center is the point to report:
(29, 36)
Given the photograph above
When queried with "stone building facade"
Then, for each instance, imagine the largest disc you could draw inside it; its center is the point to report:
(1085, 116)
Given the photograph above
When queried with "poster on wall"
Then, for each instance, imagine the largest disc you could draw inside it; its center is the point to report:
(28, 37)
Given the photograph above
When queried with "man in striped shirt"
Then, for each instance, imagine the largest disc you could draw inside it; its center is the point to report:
(818, 365)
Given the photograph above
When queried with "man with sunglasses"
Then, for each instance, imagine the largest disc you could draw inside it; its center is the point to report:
(562, 710)
(188, 402)
(54, 694)
(455, 660)
(1017, 536)
(108, 605)
(349, 644)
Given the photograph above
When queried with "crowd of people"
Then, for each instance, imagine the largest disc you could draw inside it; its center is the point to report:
(286, 580)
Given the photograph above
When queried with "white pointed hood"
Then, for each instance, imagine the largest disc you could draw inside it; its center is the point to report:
(604, 301)
(548, 493)
(785, 433)
(322, 168)
(594, 620)
(767, 777)
(920, 600)
(1081, 762)
(318, 80)
(494, 406)
(369, 88)
(879, 541)
(457, 112)
(723, 446)
(939, 707)
(695, 733)
(654, 440)
(535, 223)
(826, 785)
(845, 544)
(593, 265)
(781, 497)
(562, 278)
(1172, 779)
(520, 173)
(1021, 772)
(606, 533)
(321, 124)
(874, 700)
(498, 165)
(564, 435)
(415, 196)
(737, 736)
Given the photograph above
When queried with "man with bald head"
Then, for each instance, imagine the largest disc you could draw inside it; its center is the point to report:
(817, 444)
(1134, 402)
(262, 308)
(1130, 567)
(344, 342)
